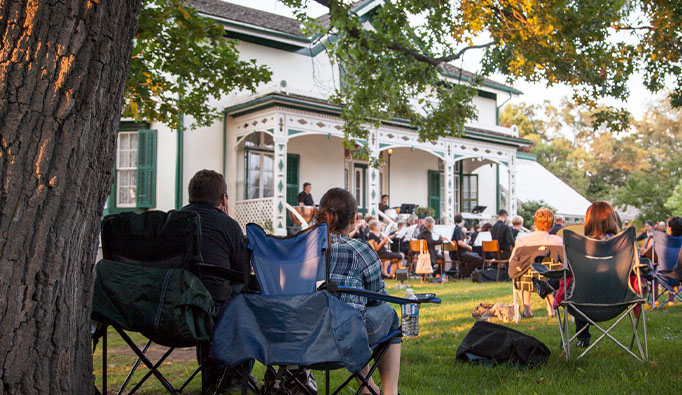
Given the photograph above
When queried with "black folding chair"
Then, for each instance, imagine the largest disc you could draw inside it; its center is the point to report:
(147, 283)
(601, 289)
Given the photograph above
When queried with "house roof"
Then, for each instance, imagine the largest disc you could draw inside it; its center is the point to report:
(534, 182)
(249, 16)
(307, 103)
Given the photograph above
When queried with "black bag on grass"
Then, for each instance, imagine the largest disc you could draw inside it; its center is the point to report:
(491, 343)
(489, 275)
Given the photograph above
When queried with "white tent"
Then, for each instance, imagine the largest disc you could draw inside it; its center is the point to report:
(534, 182)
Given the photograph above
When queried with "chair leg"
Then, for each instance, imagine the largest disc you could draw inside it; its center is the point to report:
(148, 374)
(146, 361)
(326, 382)
(104, 361)
(133, 369)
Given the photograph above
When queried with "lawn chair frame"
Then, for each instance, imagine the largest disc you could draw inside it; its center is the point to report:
(662, 265)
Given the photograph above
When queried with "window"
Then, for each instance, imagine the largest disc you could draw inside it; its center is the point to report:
(469, 192)
(345, 179)
(259, 166)
(126, 170)
(134, 170)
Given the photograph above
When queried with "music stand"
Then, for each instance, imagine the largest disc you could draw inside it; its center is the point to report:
(407, 208)
(478, 209)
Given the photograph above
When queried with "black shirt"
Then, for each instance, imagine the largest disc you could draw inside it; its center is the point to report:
(457, 235)
(555, 229)
(306, 199)
(503, 234)
(222, 244)
(377, 239)
(426, 234)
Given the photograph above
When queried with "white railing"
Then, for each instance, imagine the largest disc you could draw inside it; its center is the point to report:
(304, 224)
(258, 211)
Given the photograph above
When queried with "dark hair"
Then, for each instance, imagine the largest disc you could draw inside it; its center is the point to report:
(477, 226)
(384, 196)
(502, 212)
(486, 227)
(305, 184)
(649, 222)
(676, 226)
(207, 186)
(337, 208)
(458, 218)
(600, 220)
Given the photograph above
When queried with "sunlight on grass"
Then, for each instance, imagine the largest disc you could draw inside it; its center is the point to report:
(429, 365)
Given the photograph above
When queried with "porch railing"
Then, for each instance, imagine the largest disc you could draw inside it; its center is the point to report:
(258, 211)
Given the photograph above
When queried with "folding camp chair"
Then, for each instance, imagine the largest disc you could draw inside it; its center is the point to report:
(601, 288)
(293, 322)
(666, 250)
(521, 272)
(144, 284)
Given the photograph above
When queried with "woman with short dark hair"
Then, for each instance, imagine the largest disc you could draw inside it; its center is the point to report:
(355, 264)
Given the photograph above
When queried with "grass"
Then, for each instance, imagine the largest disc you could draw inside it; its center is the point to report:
(428, 363)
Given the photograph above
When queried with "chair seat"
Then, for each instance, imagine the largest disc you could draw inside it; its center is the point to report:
(388, 337)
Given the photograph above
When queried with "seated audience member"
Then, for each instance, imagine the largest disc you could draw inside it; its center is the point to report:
(468, 260)
(380, 247)
(355, 264)
(517, 227)
(383, 205)
(426, 234)
(305, 198)
(503, 234)
(222, 245)
(601, 223)
(559, 222)
(544, 218)
(648, 230)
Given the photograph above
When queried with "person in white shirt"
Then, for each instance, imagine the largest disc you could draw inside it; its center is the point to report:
(544, 219)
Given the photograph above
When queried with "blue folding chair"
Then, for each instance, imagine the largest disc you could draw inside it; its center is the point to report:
(666, 250)
(294, 321)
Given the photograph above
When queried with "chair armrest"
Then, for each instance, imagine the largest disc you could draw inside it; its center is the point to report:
(383, 297)
(545, 272)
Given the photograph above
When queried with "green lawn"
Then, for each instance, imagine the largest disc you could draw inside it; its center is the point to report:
(429, 365)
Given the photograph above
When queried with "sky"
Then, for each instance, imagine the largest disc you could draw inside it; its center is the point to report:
(533, 93)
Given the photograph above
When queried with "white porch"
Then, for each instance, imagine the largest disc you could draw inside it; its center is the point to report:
(275, 150)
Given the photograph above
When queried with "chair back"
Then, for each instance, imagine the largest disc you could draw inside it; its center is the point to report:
(288, 265)
(601, 268)
(450, 246)
(418, 246)
(666, 251)
(524, 256)
(154, 238)
(577, 228)
(491, 246)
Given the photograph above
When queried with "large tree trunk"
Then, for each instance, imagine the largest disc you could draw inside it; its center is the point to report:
(63, 67)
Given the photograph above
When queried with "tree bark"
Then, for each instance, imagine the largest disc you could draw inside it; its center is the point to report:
(63, 67)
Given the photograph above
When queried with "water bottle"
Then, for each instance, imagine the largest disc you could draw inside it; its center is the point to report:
(410, 316)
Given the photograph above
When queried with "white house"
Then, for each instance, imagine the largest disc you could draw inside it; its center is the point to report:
(287, 133)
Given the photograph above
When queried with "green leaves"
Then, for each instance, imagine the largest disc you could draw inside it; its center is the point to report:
(181, 62)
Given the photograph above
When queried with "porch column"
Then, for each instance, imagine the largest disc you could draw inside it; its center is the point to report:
(449, 198)
(374, 197)
(512, 186)
(279, 211)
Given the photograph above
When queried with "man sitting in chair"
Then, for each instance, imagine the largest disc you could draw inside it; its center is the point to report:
(468, 260)
(503, 234)
(222, 245)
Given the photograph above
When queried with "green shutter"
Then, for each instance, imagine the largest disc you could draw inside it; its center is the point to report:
(146, 168)
(434, 191)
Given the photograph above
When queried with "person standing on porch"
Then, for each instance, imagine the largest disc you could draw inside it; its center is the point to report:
(383, 206)
(305, 198)
(503, 234)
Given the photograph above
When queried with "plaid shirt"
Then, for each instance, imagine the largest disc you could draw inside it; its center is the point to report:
(355, 264)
